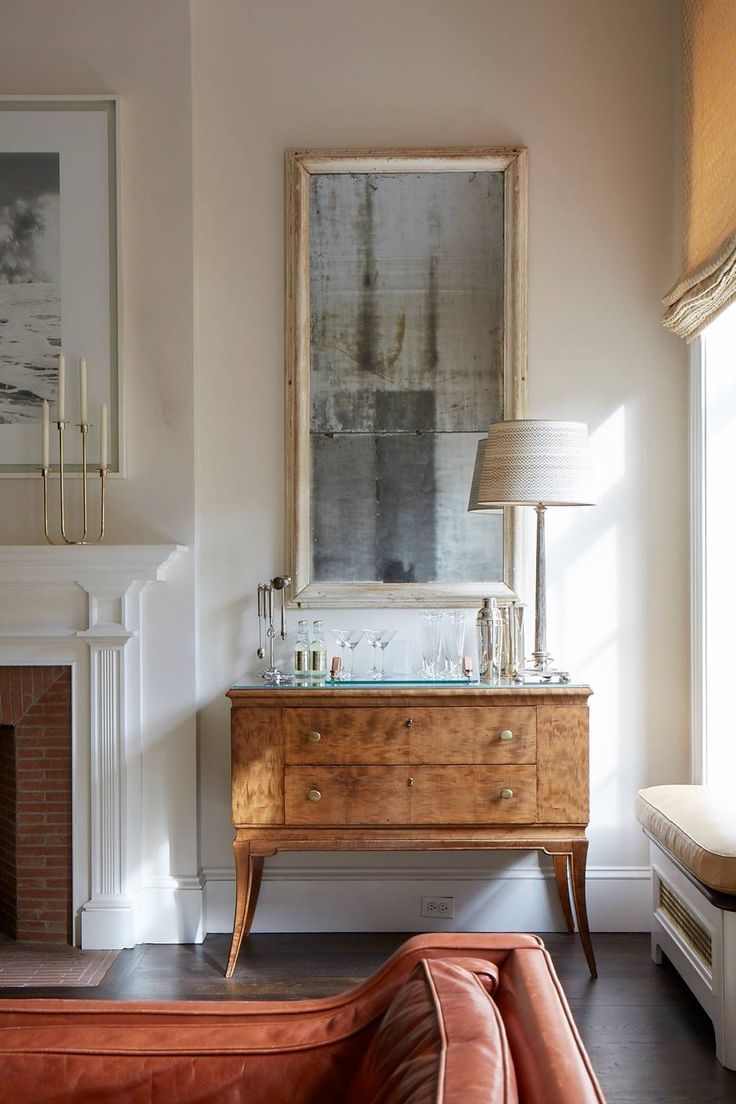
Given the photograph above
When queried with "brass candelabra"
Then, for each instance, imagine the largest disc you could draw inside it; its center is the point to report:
(45, 474)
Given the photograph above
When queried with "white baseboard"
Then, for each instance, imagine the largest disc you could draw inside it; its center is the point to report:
(387, 898)
(171, 910)
(107, 925)
(339, 896)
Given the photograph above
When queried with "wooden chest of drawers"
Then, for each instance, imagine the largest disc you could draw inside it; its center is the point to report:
(376, 768)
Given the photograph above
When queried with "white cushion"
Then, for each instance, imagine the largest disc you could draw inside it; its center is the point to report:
(696, 824)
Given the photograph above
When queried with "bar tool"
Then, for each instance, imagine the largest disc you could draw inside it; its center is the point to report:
(270, 630)
(281, 582)
(260, 652)
(265, 608)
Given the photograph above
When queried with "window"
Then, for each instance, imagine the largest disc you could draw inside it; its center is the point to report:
(714, 518)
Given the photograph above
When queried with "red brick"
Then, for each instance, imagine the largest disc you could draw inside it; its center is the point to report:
(6, 697)
(31, 850)
(43, 835)
(29, 774)
(34, 806)
(16, 692)
(57, 692)
(31, 820)
(27, 756)
(44, 735)
(35, 820)
(37, 787)
(43, 907)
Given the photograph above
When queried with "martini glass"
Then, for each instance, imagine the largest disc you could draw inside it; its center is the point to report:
(383, 644)
(374, 638)
(347, 640)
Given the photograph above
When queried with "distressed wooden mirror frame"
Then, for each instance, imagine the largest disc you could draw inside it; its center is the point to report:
(301, 166)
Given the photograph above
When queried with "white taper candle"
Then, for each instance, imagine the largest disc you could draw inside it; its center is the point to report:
(45, 434)
(83, 391)
(103, 435)
(61, 408)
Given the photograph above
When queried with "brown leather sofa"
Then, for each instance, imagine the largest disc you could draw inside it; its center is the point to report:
(450, 1019)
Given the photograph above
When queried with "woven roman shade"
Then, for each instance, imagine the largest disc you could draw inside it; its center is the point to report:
(708, 282)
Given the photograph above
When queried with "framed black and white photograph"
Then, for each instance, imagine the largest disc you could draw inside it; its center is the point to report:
(406, 338)
(58, 270)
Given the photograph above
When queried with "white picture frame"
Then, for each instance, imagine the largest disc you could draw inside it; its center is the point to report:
(73, 263)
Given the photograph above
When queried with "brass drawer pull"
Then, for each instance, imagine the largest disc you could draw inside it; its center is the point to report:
(314, 795)
(410, 781)
(314, 737)
(507, 734)
(410, 722)
(506, 793)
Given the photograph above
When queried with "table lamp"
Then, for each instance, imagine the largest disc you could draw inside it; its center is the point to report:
(534, 463)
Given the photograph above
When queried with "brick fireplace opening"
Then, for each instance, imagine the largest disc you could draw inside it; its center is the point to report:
(36, 804)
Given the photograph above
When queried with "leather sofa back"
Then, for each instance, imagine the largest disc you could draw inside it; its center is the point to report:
(424, 1025)
(442, 1039)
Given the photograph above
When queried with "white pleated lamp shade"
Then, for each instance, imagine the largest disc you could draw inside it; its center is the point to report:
(527, 462)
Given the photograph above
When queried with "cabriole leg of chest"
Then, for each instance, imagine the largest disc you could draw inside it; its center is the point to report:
(579, 860)
(561, 863)
(248, 873)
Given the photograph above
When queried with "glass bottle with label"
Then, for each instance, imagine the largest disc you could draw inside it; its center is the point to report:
(318, 652)
(301, 651)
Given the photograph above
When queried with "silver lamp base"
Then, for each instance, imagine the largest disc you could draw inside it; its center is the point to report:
(541, 661)
(541, 668)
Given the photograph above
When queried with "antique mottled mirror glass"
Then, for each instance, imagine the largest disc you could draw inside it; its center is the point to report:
(406, 292)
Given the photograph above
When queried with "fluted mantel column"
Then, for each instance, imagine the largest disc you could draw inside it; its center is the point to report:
(114, 639)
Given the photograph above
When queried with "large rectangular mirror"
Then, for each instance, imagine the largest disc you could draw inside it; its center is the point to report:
(406, 337)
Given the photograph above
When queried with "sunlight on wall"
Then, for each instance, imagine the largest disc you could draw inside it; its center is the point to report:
(608, 462)
(719, 344)
(586, 615)
(608, 453)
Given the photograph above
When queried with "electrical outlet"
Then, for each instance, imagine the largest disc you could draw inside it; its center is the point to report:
(438, 908)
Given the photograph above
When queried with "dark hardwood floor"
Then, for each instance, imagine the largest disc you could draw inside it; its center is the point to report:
(648, 1039)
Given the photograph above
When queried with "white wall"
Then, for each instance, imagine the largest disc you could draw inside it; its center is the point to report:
(592, 89)
(140, 51)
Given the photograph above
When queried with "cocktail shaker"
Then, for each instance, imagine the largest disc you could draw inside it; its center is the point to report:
(489, 633)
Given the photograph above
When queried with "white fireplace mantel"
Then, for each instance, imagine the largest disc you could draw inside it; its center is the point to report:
(55, 564)
(45, 619)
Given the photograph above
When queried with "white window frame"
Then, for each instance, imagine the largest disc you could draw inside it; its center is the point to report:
(710, 521)
(698, 566)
